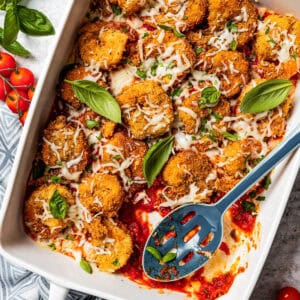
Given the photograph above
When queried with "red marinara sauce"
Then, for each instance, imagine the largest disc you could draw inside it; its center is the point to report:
(131, 214)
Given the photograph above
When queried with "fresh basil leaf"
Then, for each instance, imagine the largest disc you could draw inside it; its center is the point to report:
(86, 266)
(11, 25)
(97, 98)
(15, 48)
(58, 205)
(169, 257)
(230, 136)
(91, 124)
(266, 96)
(209, 97)
(34, 22)
(154, 252)
(156, 158)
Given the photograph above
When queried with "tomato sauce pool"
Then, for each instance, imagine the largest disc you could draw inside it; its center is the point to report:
(196, 285)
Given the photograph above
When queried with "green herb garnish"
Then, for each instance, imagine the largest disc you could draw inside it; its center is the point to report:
(52, 246)
(233, 45)
(230, 136)
(156, 158)
(198, 50)
(58, 205)
(154, 68)
(86, 266)
(91, 124)
(266, 96)
(97, 99)
(116, 9)
(169, 257)
(56, 179)
(141, 74)
(266, 182)
(248, 206)
(154, 252)
(209, 97)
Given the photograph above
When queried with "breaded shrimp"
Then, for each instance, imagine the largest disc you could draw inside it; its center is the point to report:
(146, 109)
(184, 170)
(235, 156)
(112, 252)
(182, 15)
(65, 147)
(277, 47)
(101, 193)
(230, 67)
(166, 58)
(121, 148)
(37, 215)
(129, 7)
(190, 113)
(103, 44)
(227, 26)
(86, 115)
(78, 73)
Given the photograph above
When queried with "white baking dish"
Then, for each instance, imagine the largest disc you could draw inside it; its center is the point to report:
(17, 247)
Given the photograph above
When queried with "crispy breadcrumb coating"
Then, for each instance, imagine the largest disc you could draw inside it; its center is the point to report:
(65, 146)
(146, 109)
(230, 67)
(101, 193)
(277, 47)
(113, 252)
(102, 45)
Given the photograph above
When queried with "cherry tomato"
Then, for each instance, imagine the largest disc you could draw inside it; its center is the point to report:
(288, 293)
(23, 117)
(22, 78)
(17, 101)
(31, 92)
(4, 89)
(7, 64)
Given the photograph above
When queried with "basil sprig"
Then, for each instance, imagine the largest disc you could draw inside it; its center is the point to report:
(14, 48)
(156, 158)
(58, 205)
(20, 18)
(97, 99)
(34, 22)
(266, 96)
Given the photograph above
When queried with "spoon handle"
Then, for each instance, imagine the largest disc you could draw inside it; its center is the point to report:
(290, 143)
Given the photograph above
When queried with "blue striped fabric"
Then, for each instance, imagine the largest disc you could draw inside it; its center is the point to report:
(17, 283)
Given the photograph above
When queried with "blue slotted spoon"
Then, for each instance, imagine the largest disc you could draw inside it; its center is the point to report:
(190, 254)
